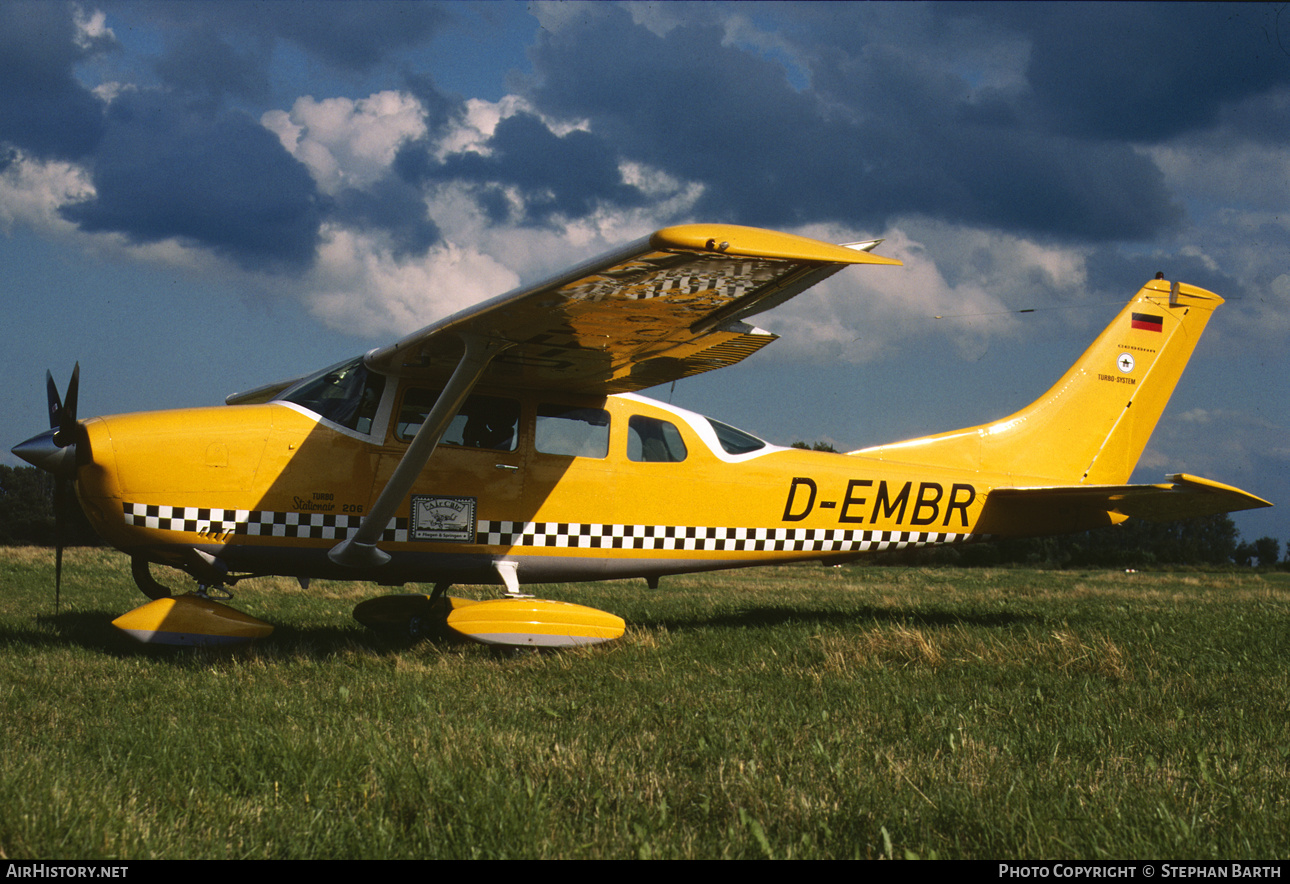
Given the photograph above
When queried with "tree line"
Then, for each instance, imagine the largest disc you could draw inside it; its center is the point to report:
(27, 518)
(1137, 543)
(27, 511)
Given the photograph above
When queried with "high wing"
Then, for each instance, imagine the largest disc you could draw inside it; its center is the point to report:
(668, 306)
(1078, 507)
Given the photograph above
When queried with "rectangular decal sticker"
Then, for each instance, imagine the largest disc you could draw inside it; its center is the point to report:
(1148, 322)
(443, 518)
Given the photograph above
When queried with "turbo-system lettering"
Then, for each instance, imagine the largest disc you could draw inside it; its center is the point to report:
(890, 503)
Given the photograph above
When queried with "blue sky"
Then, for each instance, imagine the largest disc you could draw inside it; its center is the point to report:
(198, 198)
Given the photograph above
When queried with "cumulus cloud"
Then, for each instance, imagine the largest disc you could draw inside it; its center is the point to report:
(91, 29)
(360, 287)
(476, 125)
(33, 190)
(347, 143)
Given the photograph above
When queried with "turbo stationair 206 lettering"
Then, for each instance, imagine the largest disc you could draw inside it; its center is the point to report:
(507, 445)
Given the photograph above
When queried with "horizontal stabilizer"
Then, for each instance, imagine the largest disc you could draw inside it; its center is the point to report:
(1046, 510)
(1187, 497)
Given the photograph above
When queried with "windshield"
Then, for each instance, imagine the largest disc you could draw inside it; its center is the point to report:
(347, 395)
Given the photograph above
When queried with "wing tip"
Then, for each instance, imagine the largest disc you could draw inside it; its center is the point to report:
(755, 242)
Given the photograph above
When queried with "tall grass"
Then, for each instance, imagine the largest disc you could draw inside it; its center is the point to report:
(788, 712)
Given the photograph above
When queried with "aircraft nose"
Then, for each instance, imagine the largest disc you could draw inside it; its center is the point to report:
(42, 451)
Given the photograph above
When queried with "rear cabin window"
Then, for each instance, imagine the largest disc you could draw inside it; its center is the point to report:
(572, 431)
(733, 440)
(650, 440)
(347, 395)
(490, 422)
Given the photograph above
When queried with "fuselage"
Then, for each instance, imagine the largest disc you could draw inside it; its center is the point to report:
(530, 485)
(566, 488)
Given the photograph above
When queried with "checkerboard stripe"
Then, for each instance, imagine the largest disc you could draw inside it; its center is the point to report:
(254, 523)
(559, 535)
(574, 535)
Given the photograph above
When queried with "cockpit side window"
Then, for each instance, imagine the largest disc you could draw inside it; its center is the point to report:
(347, 395)
(490, 422)
(650, 440)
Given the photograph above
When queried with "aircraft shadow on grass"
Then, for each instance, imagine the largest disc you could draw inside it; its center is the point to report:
(92, 630)
(776, 616)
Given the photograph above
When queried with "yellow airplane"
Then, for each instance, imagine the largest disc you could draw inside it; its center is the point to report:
(507, 445)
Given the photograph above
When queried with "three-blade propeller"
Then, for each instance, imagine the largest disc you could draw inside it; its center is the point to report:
(62, 420)
(55, 451)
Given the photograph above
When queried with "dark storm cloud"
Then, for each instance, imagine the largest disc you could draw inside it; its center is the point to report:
(883, 111)
(204, 64)
(43, 109)
(565, 176)
(222, 181)
(688, 105)
(1021, 181)
(391, 205)
(354, 36)
(1114, 273)
(439, 108)
(1144, 72)
(350, 36)
(881, 132)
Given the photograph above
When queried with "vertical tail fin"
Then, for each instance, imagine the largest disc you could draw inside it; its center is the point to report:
(1092, 426)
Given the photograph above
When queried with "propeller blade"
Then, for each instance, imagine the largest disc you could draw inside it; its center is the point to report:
(55, 404)
(67, 413)
(58, 554)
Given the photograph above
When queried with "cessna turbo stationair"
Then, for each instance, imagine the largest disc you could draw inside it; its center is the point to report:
(506, 445)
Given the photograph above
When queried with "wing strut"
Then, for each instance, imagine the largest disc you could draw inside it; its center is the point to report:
(359, 550)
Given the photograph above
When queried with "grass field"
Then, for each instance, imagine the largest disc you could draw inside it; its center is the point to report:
(788, 712)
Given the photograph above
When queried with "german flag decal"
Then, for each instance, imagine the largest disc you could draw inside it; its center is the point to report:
(1148, 322)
